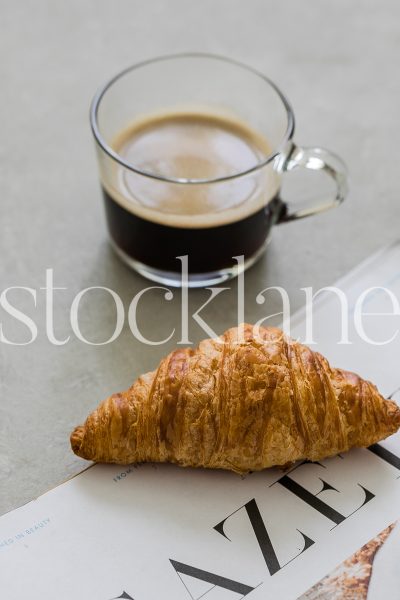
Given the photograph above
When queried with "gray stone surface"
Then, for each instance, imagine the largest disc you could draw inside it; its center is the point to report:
(337, 62)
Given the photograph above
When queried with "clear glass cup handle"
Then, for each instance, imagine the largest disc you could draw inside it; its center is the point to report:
(316, 159)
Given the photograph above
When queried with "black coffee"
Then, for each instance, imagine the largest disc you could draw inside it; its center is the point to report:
(209, 249)
(152, 221)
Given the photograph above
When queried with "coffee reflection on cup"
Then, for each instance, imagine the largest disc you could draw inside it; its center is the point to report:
(181, 177)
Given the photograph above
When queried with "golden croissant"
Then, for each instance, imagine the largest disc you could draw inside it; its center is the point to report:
(247, 400)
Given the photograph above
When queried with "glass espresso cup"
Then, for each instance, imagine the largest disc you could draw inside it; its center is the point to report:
(192, 149)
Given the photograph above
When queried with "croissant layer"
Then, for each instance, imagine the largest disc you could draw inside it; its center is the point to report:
(247, 400)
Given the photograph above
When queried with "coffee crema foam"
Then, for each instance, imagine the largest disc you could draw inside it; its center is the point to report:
(191, 145)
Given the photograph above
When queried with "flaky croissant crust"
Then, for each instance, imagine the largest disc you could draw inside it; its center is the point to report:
(250, 399)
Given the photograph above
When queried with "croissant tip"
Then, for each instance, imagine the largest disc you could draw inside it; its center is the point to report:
(396, 411)
(76, 439)
(392, 418)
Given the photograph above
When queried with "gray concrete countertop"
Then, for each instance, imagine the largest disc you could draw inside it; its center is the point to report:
(338, 64)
